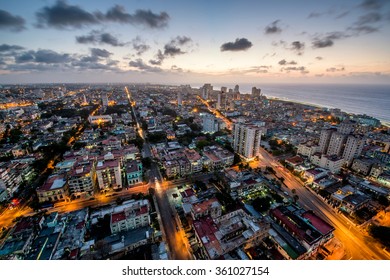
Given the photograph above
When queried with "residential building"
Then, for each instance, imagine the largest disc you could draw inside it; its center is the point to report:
(131, 216)
(108, 174)
(325, 139)
(54, 189)
(99, 119)
(336, 144)
(133, 172)
(82, 178)
(210, 207)
(247, 137)
(195, 160)
(353, 148)
(210, 123)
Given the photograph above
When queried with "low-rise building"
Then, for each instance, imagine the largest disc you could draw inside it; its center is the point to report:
(131, 216)
(133, 172)
(54, 189)
(210, 207)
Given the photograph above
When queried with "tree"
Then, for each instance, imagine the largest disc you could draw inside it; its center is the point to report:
(262, 204)
(381, 233)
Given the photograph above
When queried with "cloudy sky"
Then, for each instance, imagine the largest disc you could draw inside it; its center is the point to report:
(199, 41)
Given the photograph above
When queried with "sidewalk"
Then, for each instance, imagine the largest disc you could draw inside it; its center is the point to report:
(336, 249)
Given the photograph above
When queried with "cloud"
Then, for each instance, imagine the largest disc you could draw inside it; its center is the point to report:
(98, 37)
(273, 28)
(285, 62)
(328, 39)
(174, 68)
(11, 22)
(241, 44)
(139, 45)
(322, 43)
(319, 58)
(141, 17)
(171, 49)
(302, 69)
(372, 4)
(335, 69)
(43, 56)
(140, 65)
(298, 47)
(100, 52)
(61, 16)
(9, 48)
(314, 15)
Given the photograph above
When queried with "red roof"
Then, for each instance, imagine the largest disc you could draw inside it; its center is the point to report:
(142, 210)
(318, 223)
(117, 217)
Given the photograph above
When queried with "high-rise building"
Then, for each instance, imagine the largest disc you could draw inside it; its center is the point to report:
(219, 97)
(104, 100)
(324, 139)
(206, 91)
(347, 127)
(336, 144)
(108, 172)
(179, 99)
(256, 92)
(224, 89)
(353, 148)
(236, 88)
(247, 137)
(210, 123)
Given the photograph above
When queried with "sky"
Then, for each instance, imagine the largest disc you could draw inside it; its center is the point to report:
(195, 42)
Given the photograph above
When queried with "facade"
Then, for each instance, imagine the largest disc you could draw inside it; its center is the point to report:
(332, 163)
(325, 139)
(210, 207)
(307, 150)
(195, 160)
(99, 119)
(108, 174)
(247, 139)
(179, 99)
(133, 172)
(104, 100)
(336, 144)
(353, 148)
(54, 189)
(209, 123)
(133, 215)
(82, 179)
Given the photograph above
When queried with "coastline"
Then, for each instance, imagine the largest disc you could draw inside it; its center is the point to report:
(383, 122)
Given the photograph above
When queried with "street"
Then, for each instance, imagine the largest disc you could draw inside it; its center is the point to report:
(357, 244)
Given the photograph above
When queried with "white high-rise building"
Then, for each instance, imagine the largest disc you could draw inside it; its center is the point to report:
(179, 98)
(336, 144)
(210, 123)
(104, 100)
(247, 137)
(219, 97)
(325, 139)
(353, 148)
(206, 91)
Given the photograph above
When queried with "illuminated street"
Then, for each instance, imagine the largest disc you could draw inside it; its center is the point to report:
(357, 244)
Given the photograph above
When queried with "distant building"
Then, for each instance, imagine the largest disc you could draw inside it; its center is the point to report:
(219, 97)
(179, 99)
(247, 139)
(210, 123)
(104, 100)
(99, 119)
(256, 92)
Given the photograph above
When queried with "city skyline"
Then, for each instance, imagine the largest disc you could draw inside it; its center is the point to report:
(174, 42)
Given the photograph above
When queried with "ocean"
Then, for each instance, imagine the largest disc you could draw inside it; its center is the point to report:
(372, 100)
